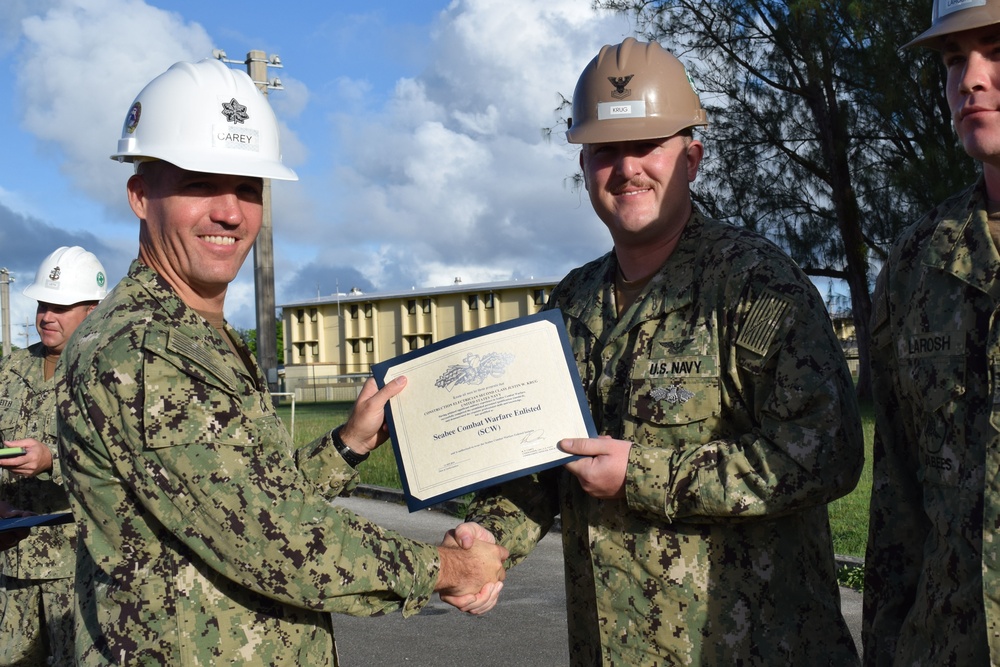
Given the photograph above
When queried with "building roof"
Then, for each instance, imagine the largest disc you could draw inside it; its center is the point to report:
(414, 292)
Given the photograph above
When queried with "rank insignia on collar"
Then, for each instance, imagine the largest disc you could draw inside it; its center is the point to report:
(234, 111)
(672, 394)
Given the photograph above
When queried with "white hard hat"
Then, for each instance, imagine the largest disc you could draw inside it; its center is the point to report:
(204, 117)
(67, 276)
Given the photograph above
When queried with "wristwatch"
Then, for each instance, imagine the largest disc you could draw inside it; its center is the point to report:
(349, 455)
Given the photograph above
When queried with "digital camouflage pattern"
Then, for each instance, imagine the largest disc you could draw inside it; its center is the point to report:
(33, 574)
(932, 582)
(206, 538)
(727, 376)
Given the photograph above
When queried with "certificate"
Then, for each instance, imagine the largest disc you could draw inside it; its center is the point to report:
(484, 407)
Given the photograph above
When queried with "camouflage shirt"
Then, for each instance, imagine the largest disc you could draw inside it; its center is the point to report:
(206, 539)
(727, 376)
(932, 587)
(28, 410)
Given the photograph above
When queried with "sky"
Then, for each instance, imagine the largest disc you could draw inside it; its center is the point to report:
(418, 129)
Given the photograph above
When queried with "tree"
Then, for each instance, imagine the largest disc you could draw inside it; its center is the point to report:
(818, 122)
(249, 337)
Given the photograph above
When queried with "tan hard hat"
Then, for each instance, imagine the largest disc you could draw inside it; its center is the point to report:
(630, 92)
(950, 16)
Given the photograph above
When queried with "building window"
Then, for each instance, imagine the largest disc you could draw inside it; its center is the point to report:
(411, 307)
(300, 315)
(354, 311)
(313, 314)
(315, 350)
(411, 343)
(355, 345)
(473, 301)
(426, 306)
(488, 300)
(369, 345)
(539, 297)
(426, 340)
(368, 310)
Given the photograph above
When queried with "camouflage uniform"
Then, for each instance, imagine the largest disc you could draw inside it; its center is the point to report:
(206, 538)
(37, 574)
(932, 587)
(728, 378)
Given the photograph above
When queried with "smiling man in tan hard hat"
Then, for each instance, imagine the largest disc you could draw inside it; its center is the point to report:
(695, 531)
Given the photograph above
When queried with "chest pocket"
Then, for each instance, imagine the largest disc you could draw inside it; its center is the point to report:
(193, 398)
(10, 411)
(675, 391)
(936, 385)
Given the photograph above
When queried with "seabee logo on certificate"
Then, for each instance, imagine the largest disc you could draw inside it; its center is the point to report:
(484, 407)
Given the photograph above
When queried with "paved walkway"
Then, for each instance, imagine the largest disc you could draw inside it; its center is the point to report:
(526, 629)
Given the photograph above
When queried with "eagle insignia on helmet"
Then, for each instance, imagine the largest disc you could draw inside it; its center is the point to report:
(619, 82)
(234, 111)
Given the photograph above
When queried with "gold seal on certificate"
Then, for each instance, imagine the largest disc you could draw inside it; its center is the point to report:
(484, 407)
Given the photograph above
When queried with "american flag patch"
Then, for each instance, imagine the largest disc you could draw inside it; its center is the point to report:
(763, 322)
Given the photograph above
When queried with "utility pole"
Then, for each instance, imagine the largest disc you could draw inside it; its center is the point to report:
(5, 281)
(263, 250)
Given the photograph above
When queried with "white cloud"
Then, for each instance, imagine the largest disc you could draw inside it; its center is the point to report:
(83, 63)
(456, 173)
(447, 174)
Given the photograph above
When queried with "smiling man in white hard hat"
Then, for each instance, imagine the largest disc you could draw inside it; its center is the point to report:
(207, 537)
(36, 576)
(932, 565)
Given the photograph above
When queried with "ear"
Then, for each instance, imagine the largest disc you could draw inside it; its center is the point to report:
(137, 195)
(583, 171)
(695, 151)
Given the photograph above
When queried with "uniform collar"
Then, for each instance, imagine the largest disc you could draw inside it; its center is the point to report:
(670, 288)
(186, 317)
(961, 244)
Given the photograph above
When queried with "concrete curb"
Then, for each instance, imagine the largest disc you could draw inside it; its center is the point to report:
(454, 508)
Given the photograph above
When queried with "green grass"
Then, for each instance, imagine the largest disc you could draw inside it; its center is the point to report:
(314, 419)
(848, 515)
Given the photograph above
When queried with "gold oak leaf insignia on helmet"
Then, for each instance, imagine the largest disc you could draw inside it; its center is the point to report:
(234, 111)
(619, 82)
(672, 394)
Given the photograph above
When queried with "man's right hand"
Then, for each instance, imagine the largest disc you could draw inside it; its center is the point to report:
(471, 574)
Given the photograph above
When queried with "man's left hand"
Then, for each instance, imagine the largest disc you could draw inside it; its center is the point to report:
(366, 428)
(37, 458)
(602, 470)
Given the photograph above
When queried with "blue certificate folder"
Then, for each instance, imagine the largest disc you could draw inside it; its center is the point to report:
(455, 385)
(37, 520)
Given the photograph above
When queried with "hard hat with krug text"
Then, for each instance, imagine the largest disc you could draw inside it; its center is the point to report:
(630, 92)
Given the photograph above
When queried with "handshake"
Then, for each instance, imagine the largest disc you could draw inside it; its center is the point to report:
(472, 569)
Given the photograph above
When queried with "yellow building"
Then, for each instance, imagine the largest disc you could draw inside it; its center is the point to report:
(332, 341)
